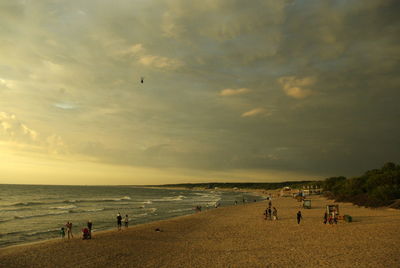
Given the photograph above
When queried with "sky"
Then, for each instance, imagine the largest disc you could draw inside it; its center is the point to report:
(233, 90)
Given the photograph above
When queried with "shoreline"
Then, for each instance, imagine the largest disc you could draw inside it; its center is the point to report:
(231, 236)
(111, 229)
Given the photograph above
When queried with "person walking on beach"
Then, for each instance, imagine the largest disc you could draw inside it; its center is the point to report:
(69, 230)
(119, 221)
(89, 226)
(126, 221)
(299, 217)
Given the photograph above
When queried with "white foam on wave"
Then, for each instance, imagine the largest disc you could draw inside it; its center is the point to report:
(171, 198)
(139, 215)
(94, 209)
(40, 215)
(180, 210)
(152, 210)
(107, 199)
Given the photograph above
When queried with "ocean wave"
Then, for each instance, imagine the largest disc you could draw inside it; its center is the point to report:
(69, 201)
(94, 209)
(180, 210)
(64, 207)
(147, 202)
(152, 210)
(41, 232)
(168, 199)
(32, 203)
(39, 215)
(15, 209)
(10, 233)
(97, 200)
(87, 210)
(139, 215)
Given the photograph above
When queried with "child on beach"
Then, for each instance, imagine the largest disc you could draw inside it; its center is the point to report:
(85, 234)
(126, 221)
(62, 233)
(275, 214)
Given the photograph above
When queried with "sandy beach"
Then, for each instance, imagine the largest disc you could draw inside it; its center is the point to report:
(236, 236)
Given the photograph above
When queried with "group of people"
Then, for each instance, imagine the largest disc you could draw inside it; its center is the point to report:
(68, 227)
(330, 218)
(86, 232)
(271, 213)
(119, 221)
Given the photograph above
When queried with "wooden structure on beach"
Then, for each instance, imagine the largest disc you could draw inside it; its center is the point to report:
(307, 203)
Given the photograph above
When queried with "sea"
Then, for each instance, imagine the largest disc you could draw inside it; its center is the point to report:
(30, 213)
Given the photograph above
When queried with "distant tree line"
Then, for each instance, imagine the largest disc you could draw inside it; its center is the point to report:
(377, 187)
(242, 185)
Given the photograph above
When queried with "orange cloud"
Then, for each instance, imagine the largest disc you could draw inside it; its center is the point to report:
(232, 92)
(253, 112)
(297, 87)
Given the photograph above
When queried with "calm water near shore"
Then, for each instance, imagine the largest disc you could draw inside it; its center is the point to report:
(36, 212)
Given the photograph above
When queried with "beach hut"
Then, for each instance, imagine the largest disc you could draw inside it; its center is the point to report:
(307, 203)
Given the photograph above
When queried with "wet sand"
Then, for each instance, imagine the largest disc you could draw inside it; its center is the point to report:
(236, 236)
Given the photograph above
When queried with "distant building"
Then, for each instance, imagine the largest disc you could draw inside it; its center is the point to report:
(286, 192)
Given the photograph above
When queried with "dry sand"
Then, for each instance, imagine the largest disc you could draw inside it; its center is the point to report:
(236, 236)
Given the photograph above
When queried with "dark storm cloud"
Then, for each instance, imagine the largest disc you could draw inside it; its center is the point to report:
(313, 84)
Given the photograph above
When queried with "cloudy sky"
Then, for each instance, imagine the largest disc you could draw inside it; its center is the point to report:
(233, 90)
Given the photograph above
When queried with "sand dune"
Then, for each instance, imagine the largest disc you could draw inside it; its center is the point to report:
(236, 236)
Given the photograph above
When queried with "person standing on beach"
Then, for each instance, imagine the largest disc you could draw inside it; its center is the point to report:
(119, 221)
(299, 217)
(126, 221)
(69, 229)
(270, 213)
(89, 226)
